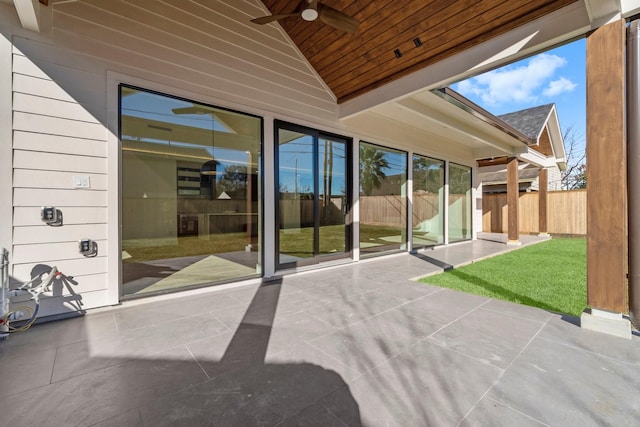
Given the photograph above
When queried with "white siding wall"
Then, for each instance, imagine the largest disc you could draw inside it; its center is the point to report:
(54, 138)
(555, 179)
(58, 83)
(61, 87)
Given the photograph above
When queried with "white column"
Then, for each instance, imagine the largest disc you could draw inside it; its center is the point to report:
(269, 195)
(445, 212)
(355, 206)
(409, 187)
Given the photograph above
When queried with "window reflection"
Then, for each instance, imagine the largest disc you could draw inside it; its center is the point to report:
(459, 202)
(428, 202)
(190, 193)
(383, 199)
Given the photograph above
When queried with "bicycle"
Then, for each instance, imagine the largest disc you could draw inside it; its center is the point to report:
(22, 316)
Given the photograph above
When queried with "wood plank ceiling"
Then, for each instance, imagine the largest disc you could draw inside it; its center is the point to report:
(352, 64)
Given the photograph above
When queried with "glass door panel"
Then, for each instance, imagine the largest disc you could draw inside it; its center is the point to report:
(296, 194)
(332, 167)
(428, 201)
(459, 203)
(383, 199)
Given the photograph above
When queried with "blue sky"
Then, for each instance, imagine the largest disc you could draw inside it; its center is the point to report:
(555, 76)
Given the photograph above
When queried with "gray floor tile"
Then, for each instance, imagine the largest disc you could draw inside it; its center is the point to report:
(26, 371)
(307, 354)
(407, 290)
(95, 354)
(563, 385)
(67, 331)
(488, 336)
(443, 306)
(251, 343)
(162, 312)
(128, 419)
(313, 416)
(97, 396)
(265, 306)
(426, 385)
(565, 329)
(263, 395)
(366, 344)
(488, 412)
(518, 310)
(348, 311)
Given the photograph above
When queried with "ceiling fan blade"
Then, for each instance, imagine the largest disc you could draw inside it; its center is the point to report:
(270, 18)
(336, 19)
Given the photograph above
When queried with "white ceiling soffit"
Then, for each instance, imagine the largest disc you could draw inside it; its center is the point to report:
(430, 113)
(29, 14)
(602, 12)
(560, 26)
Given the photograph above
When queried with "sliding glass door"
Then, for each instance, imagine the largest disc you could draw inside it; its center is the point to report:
(312, 196)
(383, 199)
(459, 203)
(428, 202)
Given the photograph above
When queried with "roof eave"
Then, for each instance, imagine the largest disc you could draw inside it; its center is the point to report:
(474, 109)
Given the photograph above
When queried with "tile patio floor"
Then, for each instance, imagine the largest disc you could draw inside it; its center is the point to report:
(356, 345)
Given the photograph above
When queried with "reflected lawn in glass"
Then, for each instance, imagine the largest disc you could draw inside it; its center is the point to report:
(187, 246)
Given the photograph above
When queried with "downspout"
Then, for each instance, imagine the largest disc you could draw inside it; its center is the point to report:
(633, 169)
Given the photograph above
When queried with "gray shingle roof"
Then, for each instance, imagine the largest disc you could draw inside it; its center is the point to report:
(529, 121)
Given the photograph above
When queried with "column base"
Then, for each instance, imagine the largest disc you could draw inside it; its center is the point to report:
(514, 243)
(606, 322)
(544, 235)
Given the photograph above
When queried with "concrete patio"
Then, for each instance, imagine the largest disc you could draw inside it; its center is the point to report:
(358, 344)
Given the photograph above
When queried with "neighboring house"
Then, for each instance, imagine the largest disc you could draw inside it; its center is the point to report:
(542, 126)
(196, 148)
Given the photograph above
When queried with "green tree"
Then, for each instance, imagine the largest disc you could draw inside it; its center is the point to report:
(372, 165)
(428, 174)
(233, 181)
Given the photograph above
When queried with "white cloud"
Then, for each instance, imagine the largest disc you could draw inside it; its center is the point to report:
(518, 84)
(559, 86)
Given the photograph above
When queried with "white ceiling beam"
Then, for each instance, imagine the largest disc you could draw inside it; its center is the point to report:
(29, 14)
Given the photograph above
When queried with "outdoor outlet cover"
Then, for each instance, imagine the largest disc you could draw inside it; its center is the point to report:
(81, 181)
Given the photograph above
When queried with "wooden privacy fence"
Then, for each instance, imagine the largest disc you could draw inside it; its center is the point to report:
(566, 212)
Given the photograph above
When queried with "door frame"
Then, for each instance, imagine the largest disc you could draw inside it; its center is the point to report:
(316, 134)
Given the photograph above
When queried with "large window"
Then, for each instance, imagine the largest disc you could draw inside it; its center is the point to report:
(190, 193)
(459, 202)
(383, 199)
(428, 202)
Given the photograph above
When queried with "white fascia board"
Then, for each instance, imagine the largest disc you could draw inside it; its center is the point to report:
(602, 12)
(536, 159)
(562, 25)
(557, 140)
(562, 164)
(29, 14)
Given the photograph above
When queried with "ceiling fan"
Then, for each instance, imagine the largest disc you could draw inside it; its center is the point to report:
(310, 10)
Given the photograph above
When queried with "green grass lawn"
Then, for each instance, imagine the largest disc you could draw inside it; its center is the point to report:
(551, 275)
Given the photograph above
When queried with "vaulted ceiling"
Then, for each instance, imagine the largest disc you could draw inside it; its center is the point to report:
(397, 37)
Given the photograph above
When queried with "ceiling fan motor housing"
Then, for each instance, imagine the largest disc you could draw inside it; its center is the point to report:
(309, 14)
